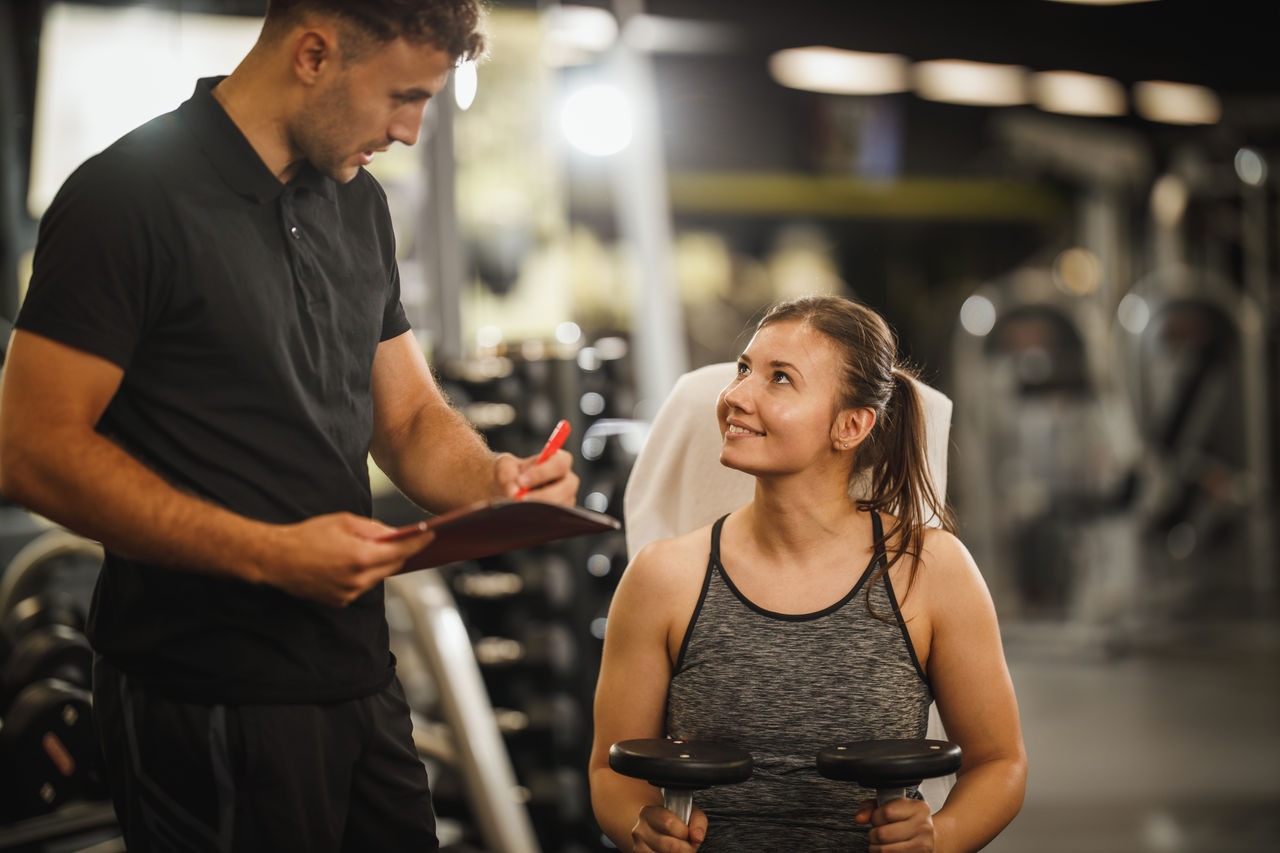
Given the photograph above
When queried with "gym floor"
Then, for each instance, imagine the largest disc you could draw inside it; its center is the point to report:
(1171, 747)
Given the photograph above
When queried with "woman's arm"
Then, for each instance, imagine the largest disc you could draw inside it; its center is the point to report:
(975, 698)
(631, 693)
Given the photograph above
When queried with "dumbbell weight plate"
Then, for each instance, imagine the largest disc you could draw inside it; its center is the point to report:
(48, 748)
(889, 763)
(53, 555)
(681, 763)
(41, 609)
(54, 651)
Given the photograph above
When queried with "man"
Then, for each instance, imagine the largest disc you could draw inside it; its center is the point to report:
(211, 345)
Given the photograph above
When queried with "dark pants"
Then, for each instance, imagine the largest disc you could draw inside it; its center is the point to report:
(315, 778)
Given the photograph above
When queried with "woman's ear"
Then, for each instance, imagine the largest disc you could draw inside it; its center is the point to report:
(851, 428)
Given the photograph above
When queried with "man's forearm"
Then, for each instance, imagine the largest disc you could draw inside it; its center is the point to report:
(90, 485)
(439, 461)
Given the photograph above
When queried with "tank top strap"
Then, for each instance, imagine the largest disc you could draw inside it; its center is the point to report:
(877, 533)
(715, 539)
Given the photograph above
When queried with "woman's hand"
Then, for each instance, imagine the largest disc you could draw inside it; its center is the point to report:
(659, 831)
(899, 826)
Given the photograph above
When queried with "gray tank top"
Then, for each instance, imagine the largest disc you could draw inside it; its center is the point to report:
(783, 686)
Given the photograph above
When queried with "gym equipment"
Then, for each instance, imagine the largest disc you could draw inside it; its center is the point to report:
(52, 651)
(889, 766)
(550, 647)
(54, 559)
(48, 749)
(483, 762)
(49, 607)
(546, 579)
(680, 767)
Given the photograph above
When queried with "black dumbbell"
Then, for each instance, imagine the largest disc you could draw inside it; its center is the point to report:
(48, 750)
(47, 607)
(680, 767)
(550, 646)
(889, 766)
(50, 651)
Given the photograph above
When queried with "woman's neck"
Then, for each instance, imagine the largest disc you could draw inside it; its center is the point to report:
(796, 515)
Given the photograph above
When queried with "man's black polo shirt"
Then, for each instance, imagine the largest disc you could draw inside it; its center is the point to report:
(245, 314)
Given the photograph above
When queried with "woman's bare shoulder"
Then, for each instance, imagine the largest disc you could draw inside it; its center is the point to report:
(947, 568)
(674, 561)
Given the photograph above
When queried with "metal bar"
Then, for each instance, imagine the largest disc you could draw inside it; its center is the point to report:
(483, 759)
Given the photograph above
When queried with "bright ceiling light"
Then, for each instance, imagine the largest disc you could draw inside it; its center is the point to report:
(839, 72)
(1176, 103)
(1077, 93)
(959, 81)
(465, 83)
(597, 120)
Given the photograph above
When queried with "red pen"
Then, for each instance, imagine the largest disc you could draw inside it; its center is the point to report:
(558, 435)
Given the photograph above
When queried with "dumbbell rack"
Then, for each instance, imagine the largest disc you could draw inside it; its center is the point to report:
(52, 794)
(518, 694)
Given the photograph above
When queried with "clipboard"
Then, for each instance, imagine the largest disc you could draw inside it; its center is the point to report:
(487, 528)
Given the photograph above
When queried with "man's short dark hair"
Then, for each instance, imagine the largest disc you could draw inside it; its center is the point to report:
(453, 26)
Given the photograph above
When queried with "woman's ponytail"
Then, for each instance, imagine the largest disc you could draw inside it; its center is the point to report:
(901, 484)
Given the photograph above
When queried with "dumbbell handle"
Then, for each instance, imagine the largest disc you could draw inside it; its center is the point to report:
(679, 801)
(888, 795)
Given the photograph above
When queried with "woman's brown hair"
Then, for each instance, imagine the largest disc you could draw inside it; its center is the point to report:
(893, 455)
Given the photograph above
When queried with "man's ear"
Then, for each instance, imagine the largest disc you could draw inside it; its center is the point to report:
(314, 50)
(851, 428)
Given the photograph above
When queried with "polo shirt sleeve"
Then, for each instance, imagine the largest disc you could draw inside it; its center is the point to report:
(394, 321)
(94, 283)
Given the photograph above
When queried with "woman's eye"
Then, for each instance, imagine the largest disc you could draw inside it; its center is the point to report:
(780, 377)
(743, 370)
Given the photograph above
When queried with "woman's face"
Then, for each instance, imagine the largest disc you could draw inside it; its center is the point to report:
(778, 415)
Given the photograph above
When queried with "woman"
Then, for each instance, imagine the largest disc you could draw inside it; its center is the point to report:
(806, 619)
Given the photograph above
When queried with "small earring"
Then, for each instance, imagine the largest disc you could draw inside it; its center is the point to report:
(846, 445)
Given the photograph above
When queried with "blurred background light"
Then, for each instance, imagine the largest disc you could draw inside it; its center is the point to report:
(568, 332)
(597, 120)
(154, 57)
(1134, 313)
(1169, 196)
(960, 81)
(1176, 103)
(1077, 93)
(839, 72)
(465, 83)
(661, 34)
(1250, 167)
(488, 337)
(978, 315)
(575, 35)
(1077, 271)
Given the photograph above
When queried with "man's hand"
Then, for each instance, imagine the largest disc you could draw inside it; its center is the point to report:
(333, 559)
(551, 482)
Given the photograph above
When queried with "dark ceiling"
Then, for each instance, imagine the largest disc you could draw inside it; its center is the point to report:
(1224, 44)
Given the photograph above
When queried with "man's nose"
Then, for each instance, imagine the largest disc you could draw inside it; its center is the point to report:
(407, 124)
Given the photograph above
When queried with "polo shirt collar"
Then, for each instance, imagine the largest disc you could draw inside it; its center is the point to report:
(232, 155)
